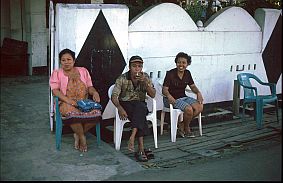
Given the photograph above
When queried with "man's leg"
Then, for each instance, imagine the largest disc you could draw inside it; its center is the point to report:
(197, 108)
(131, 142)
(141, 145)
(187, 118)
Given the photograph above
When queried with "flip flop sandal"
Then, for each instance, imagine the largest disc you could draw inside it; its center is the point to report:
(149, 154)
(141, 157)
(180, 133)
(190, 135)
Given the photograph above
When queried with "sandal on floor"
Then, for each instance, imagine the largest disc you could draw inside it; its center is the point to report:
(149, 154)
(190, 135)
(141, 157)
(180, 133)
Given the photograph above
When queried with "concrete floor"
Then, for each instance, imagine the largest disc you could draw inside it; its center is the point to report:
(28, 148)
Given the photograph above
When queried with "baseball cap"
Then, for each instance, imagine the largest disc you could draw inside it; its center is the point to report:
(136, 58)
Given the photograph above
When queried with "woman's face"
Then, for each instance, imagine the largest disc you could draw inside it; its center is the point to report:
(67, 62)
(182, 64)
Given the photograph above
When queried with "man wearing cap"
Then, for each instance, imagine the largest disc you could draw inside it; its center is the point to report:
(129, 96)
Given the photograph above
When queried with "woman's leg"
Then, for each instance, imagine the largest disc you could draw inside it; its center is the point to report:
(88, 126)
(79, 131)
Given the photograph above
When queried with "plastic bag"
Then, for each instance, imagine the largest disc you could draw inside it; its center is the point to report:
(87, 105)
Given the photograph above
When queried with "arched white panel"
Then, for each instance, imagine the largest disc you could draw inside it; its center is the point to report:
(163, 17)
(232, 19)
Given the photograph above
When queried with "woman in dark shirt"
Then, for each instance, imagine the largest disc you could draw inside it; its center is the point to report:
(175, 82)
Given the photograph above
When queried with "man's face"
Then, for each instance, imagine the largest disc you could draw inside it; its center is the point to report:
(136, 67)
(181, 64)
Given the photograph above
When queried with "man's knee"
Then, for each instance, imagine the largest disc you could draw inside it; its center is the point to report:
(198, 108)
(188, 111)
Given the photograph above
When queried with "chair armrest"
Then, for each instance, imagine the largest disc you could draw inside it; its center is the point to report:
(271, 85)
(272, 88)
(249, 87)
(153, 103)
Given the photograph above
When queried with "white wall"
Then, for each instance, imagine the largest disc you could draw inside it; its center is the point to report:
(229, 43)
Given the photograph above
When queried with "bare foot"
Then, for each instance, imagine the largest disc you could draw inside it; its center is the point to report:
(83, 145)
(77, 141)
(131, 145)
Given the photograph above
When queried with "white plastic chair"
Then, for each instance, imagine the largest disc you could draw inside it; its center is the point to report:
(119, 124)
(175, 116)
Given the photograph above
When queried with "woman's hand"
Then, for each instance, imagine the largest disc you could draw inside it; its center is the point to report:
(71, 102)
(96, 97)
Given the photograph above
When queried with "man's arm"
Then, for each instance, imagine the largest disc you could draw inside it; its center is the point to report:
(197, 92)
(122, 113)
(166, 93)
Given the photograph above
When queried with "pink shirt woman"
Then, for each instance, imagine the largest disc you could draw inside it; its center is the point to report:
(71, 84)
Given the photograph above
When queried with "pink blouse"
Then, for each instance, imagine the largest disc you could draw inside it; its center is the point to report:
(58, 80)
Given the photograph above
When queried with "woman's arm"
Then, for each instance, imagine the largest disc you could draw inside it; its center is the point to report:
(95, 95)
(62, 97)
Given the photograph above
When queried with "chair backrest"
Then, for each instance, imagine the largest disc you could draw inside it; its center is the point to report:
(244, 79)
(110, 91)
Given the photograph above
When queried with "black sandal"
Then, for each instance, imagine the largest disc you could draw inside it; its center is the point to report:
(141, 156)
(148, 152)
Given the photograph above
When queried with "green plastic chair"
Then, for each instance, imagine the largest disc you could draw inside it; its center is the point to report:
(59, 126)
(251, 96)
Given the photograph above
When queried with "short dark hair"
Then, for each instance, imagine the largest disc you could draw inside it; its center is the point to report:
(184, 55)
(66, 50)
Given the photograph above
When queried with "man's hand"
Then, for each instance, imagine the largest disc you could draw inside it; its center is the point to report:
(122, 113)
(171, 100)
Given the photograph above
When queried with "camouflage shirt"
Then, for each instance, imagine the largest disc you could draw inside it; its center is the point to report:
(125, 91)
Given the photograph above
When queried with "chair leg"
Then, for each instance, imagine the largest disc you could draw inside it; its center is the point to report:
(199, 124)
(243, 113)
(259, 113)
(114, 131)
(58, 132)
(276, 105)
(162, 116)
(154, 127)
(174, 121)
(98, 138)
(118, 134)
